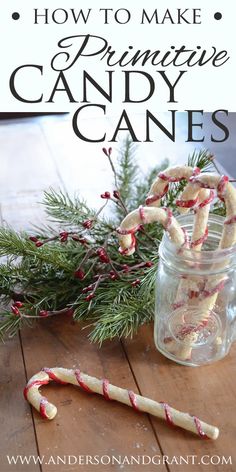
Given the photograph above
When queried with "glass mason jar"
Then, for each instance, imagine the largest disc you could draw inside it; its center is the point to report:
(195, 313)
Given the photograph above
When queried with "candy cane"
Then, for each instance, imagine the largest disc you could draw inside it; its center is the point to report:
(199, 199)
(143, 215)
(199, 235)
(209, 293)
(161, 184)
(111, 392)
(197, 194)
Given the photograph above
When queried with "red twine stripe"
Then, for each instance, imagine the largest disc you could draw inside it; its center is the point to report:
(200, 240)
(157, 196)
(80, 381)
(126, 250)
(125, 232)
(217, 288)
(52, 376)
(142, 214)
(186, 203)
(42, 407)
(196, 171)
(133, 400)
(168, 179)
(222, 186)
(196, 180)
(199, 428)
(207, 200)
(105, 389)
(35, 383)
(169, 218)
(177, 305)
(231, 220)
(167, 413)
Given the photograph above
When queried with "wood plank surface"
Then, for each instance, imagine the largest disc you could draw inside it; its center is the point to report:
(208, 392)
(86, 425)
(37, 154)
(17, 436)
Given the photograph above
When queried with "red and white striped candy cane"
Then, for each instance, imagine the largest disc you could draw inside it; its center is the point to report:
(111, 392)
(145, 215)
(207, 296)
(161, 184)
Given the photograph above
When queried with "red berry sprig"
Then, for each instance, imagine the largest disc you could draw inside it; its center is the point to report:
(87, 224)
(79, 274)
(103, 256)
(106, 195)
(136, 283)
(107, 152)
(64, 236)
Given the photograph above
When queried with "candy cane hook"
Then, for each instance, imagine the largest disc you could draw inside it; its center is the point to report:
(111, 392)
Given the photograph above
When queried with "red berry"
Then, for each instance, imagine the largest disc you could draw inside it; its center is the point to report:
(100, 251)
(116, 194)
(79, 274)
(87, 224)
(33, 239)
(18, 304)
(15, 310)
(125, 267)
(113, 275)
(39, 244)
(43, 313)
(89, 297)
(87, 289)
(64, 236)
(149, 264)
(106, 195)
(104, 257)
(136, 282)
(105, 151)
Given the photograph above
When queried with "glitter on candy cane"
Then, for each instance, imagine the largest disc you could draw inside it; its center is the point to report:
(133, 398)
(166, 178)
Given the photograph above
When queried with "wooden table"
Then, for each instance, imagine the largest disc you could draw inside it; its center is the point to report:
(87, 425)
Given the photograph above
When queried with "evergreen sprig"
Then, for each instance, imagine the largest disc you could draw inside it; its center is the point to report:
(72, 264)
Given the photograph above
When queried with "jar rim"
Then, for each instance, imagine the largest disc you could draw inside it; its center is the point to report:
(191, 255)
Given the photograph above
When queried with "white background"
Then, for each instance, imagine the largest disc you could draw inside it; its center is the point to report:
(205, 87)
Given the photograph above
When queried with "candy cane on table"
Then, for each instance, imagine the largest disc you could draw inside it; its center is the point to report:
(143, 215)
(111, 392)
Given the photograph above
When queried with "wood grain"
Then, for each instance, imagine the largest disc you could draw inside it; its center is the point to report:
(17, 429)
(86, 424)
(36, 154)
(207, 392)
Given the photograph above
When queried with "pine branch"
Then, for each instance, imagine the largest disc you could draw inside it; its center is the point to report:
(63, 209)
(73, 265)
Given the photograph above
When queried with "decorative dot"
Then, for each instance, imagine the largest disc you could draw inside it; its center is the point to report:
(218, 15)
(15, 15)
